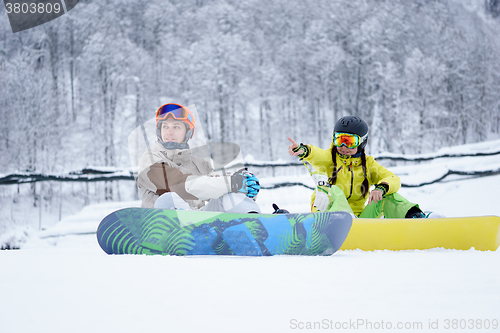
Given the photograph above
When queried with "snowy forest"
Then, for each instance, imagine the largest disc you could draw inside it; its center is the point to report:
(423, 74)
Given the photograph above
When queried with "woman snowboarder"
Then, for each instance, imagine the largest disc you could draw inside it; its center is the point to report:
(170, 177)
(344, 174)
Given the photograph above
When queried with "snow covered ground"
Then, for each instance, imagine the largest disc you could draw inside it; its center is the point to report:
(62, 282)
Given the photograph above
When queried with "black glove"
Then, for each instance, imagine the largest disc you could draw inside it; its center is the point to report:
(245, 182)
(382, 187)
(305, 150)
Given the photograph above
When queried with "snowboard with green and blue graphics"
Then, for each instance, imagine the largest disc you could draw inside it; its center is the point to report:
(181, 232)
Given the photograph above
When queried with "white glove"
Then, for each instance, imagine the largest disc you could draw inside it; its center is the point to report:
(322, 192)
(322, 199)
(320, 179)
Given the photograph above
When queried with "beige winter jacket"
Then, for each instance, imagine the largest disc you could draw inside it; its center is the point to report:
(191, 177)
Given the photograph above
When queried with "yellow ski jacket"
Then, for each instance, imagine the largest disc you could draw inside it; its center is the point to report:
(350, 175)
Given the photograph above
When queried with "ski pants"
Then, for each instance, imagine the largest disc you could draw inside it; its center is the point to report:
(392, 206)
(229, 203)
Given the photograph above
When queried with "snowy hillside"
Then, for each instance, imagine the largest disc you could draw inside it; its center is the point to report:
(61, 281)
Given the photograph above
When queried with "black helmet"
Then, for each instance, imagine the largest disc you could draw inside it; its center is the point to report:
(353, 125)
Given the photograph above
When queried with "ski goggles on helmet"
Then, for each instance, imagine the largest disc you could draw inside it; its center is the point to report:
(176, 112)
(346, 139)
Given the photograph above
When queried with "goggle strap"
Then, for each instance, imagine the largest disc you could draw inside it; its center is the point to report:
(363, 138)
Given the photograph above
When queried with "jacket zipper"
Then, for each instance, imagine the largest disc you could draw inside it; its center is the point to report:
(352, 180)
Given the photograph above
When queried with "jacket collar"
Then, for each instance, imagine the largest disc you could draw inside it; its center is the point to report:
(178, 156)
(350, 160)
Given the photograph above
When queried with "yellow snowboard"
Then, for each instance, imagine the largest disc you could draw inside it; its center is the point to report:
(460, 233)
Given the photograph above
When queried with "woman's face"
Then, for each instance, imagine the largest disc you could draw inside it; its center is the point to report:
(347, 151)
(173, 131)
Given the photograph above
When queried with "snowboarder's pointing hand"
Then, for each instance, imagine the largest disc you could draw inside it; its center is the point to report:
(293, 146)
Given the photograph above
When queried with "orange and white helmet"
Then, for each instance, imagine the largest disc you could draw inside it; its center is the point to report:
(179, 113)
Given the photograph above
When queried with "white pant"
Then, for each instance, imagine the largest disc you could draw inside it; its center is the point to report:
(229, 203)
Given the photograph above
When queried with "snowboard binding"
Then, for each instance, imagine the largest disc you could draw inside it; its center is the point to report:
(278, 210)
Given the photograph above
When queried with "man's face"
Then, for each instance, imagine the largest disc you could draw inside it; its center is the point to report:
(173, 131)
